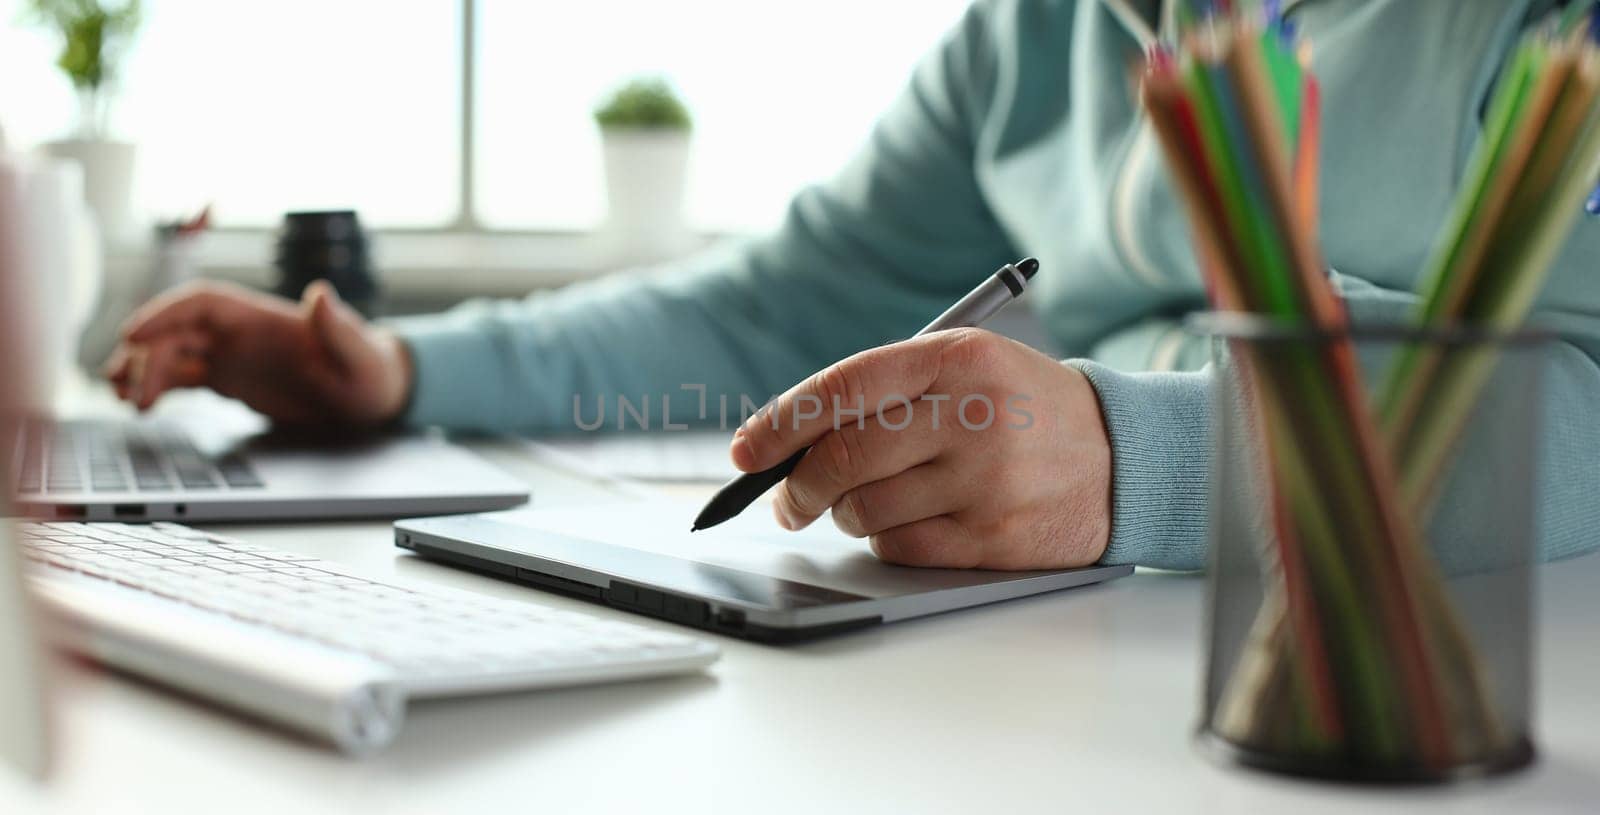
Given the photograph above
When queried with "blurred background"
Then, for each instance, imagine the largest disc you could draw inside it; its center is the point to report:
(463, 133)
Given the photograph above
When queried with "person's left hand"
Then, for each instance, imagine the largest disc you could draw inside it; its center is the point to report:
(971, 451)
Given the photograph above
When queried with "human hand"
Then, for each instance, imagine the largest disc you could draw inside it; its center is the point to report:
(972, 451)
(315, 362)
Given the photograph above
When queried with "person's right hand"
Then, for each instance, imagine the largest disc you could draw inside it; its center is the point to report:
(315, 362)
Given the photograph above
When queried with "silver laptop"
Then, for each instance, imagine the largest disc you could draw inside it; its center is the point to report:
(209, 466)
(745, 578)
(155, 470)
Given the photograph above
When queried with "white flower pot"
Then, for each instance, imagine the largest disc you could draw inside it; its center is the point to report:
(646, 175)
(108, 181)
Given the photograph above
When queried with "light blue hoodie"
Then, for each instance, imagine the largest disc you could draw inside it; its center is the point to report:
(1020, 135)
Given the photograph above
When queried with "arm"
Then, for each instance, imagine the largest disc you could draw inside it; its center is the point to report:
(1158, 425)
(860, 260)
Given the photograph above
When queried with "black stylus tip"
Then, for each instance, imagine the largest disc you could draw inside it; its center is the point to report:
(694, 527)
(1028, 267)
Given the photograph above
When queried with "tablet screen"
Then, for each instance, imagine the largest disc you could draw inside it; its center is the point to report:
(748, 559)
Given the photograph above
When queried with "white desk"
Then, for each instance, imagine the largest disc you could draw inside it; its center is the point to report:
(1079, 701)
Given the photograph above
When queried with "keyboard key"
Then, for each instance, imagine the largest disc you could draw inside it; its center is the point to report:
(237, 472)
(151, 480)
(196, 480)
(107, 484)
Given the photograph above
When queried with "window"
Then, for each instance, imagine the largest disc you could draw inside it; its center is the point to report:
(782, 93)
(265, 107)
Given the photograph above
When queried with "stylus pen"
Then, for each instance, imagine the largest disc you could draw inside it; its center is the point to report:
(993, 294)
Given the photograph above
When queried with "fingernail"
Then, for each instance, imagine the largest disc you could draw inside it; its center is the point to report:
(740, 452)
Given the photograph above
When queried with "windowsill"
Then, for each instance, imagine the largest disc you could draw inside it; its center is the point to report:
(442, 264)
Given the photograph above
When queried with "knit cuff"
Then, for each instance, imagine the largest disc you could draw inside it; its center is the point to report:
(451, 383)
(1160, 459)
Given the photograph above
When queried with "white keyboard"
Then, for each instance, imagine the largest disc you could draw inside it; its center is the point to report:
(346, 650)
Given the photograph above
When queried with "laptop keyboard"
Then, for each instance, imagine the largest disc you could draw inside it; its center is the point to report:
(420, 634)
(81, 456)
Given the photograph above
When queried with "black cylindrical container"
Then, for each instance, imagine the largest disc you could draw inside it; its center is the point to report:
(1371, 532)
(331, 246)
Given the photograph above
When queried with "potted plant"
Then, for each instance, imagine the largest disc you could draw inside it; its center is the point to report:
(94, 36)
(644, 137)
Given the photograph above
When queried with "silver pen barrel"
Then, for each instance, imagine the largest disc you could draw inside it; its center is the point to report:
(987, 299)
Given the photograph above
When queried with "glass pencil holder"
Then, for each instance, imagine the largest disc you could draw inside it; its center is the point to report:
(1371, 532)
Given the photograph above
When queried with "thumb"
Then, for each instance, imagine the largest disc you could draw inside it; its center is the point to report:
(338, 328)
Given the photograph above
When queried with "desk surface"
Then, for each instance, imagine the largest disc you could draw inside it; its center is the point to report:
(1083, 699)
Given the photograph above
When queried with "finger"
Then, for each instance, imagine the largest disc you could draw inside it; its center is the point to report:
(119, 371)
(185, 306)
(200, 305)
(339, 328)
(901, 438)
(158, 358)
(191, 372)
(188, 372)
(168, 363)
(135, 378)
(938, 542)
(927, 491)
(115, 368)
(881, 377)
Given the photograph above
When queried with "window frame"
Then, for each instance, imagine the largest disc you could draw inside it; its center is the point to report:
(418, 262)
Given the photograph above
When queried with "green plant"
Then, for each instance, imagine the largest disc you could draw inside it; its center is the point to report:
(644, 103)
(92, 35)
